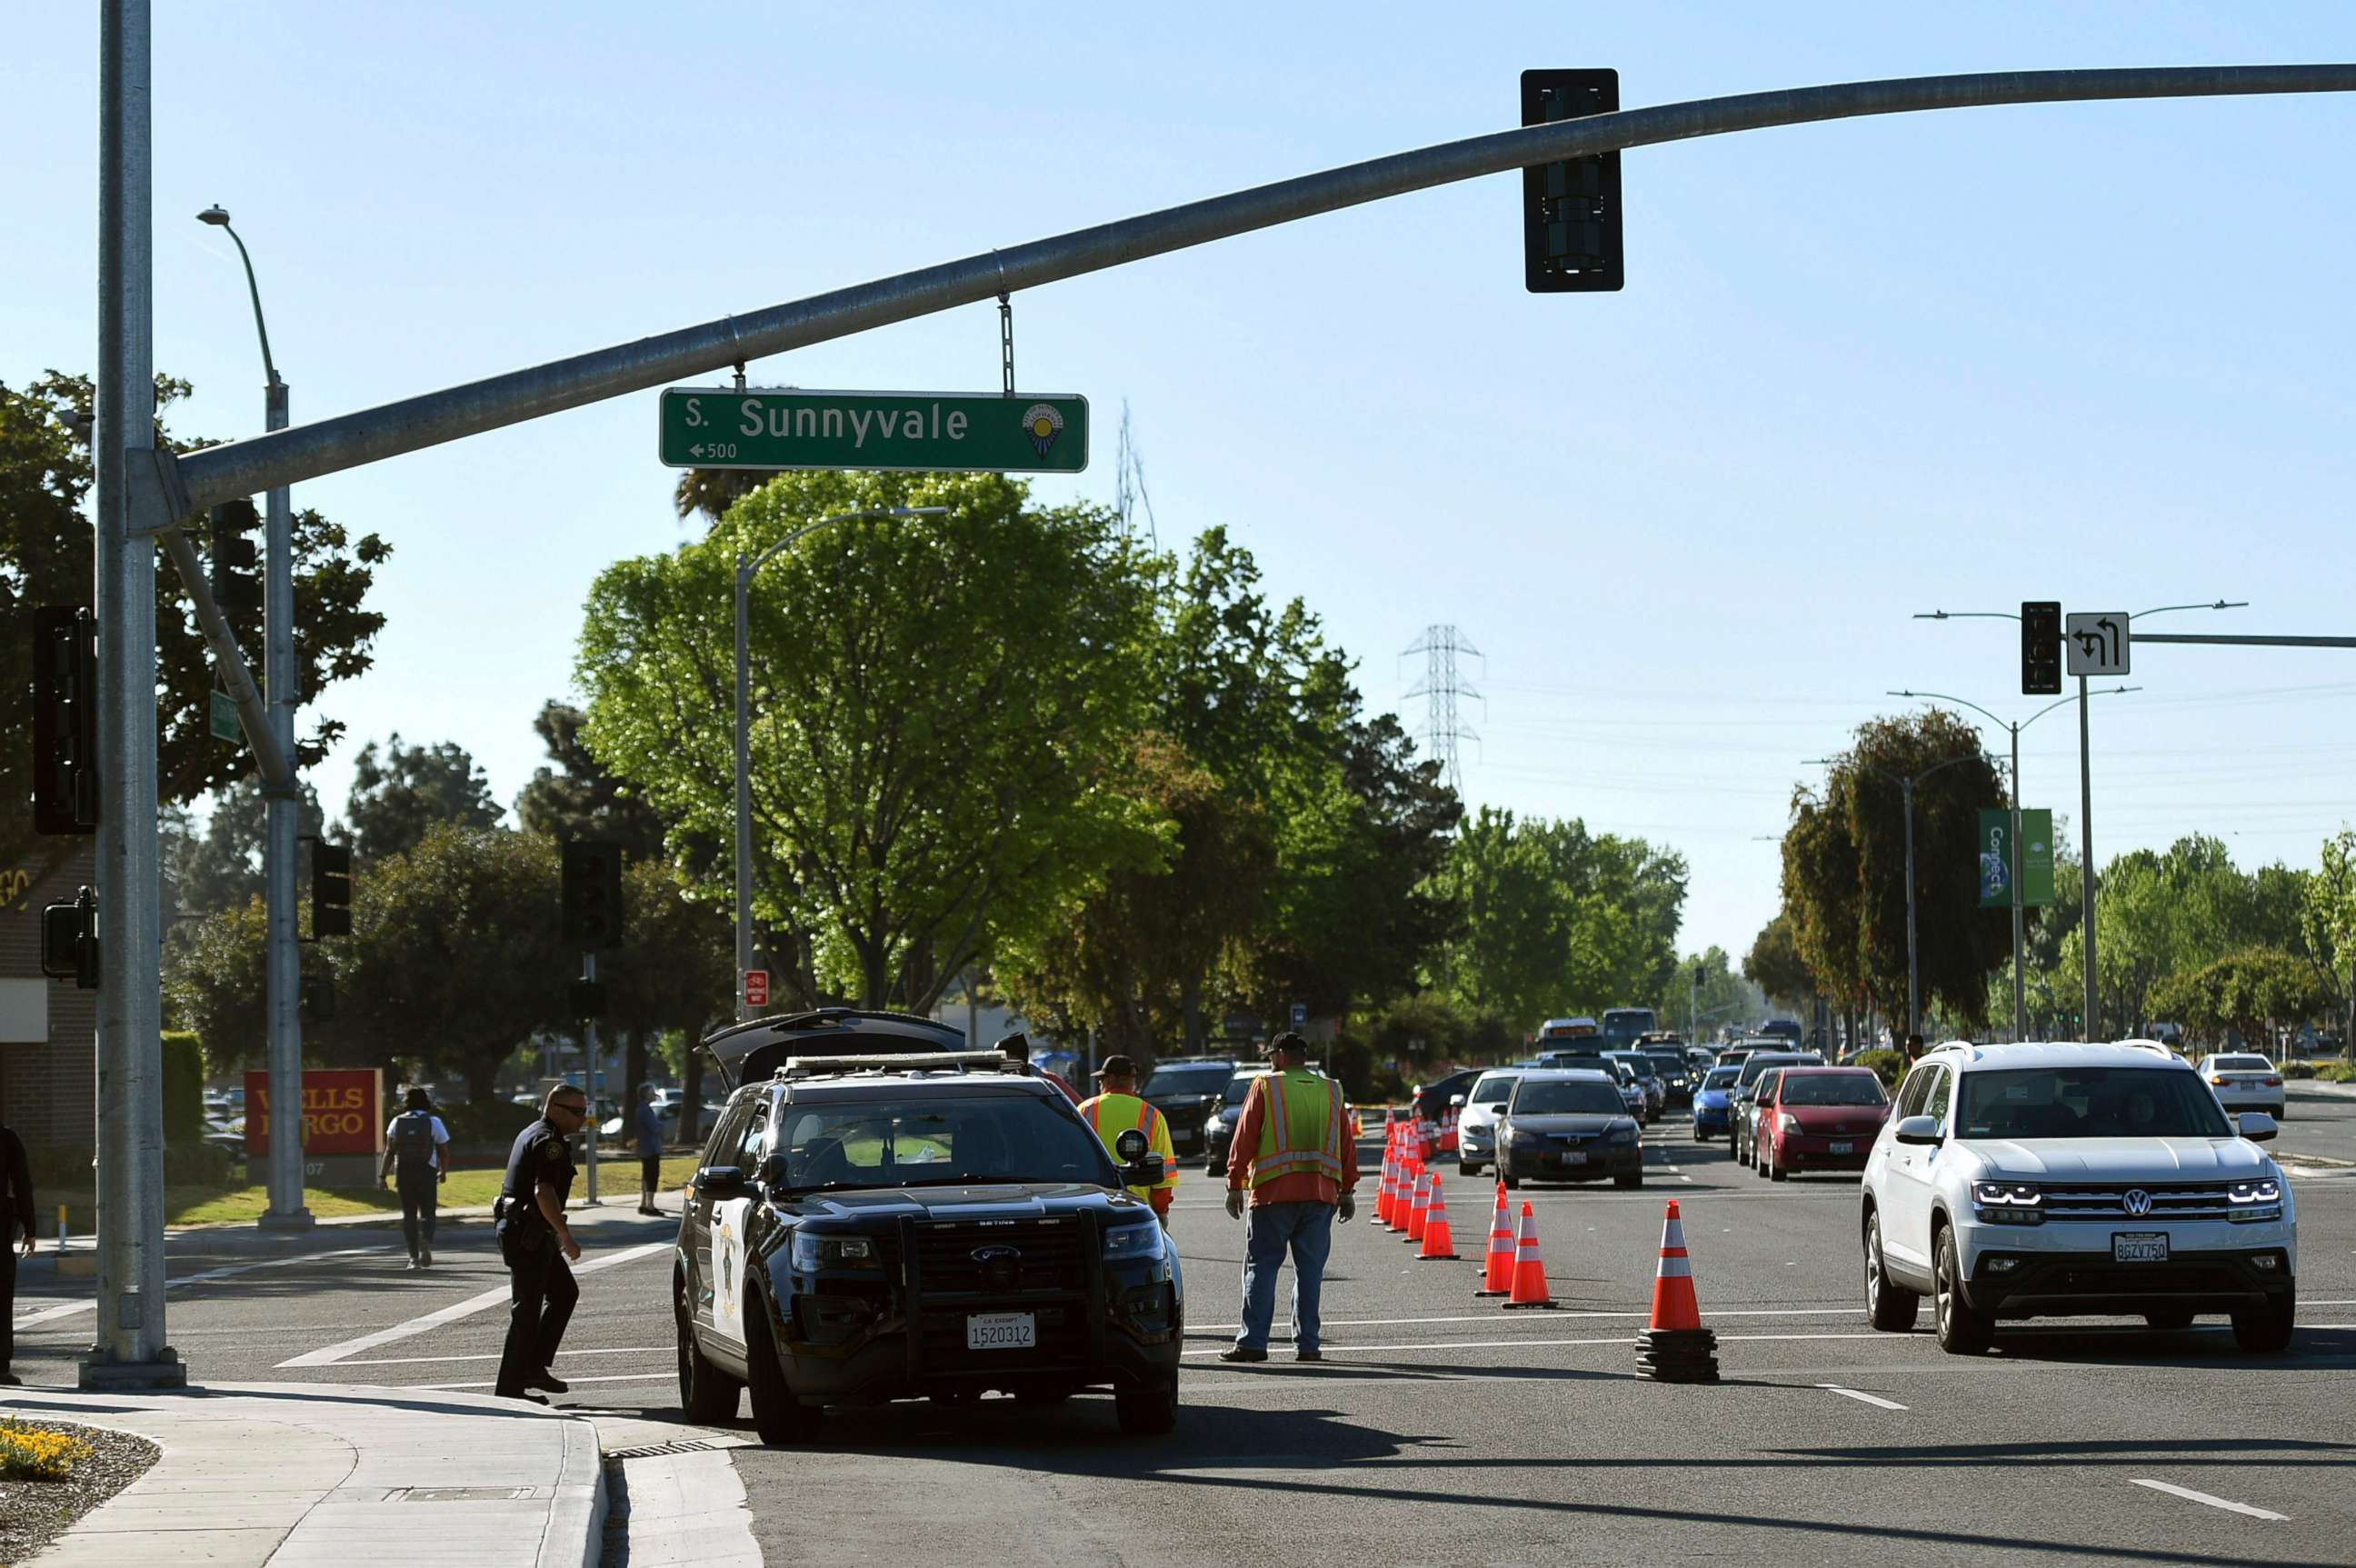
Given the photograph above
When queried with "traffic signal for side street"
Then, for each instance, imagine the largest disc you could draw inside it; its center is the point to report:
(331, 889)
(65, 720)
(2041, 648)
(1571, 210)
(235, 587)
(591, 913)
(69, 940)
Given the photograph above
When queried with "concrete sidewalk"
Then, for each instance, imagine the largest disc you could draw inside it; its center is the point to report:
(320, 1474)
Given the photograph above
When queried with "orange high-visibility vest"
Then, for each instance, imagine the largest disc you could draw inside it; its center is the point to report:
(1299, 1128)
(1113, 1114)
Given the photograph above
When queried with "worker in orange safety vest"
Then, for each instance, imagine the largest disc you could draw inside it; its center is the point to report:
(1299, 1176)
(1114, 1110)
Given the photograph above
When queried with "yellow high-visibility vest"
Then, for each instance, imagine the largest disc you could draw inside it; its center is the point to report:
(1113, 1114)
(1299, 1127)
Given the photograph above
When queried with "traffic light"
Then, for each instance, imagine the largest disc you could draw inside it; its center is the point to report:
(588, 999)
(235, 587)
(65, 720)
(592, 894)
(1571, 210)
(69, 940)
(331, 889)
(2041, 648)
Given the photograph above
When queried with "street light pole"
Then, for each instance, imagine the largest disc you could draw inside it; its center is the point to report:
(283, 976)
(745, 569)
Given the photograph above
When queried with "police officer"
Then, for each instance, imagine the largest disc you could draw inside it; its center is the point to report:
(536, 1242)
(1115, 1110)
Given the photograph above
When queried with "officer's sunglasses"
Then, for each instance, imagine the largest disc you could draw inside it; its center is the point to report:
(571, 1106)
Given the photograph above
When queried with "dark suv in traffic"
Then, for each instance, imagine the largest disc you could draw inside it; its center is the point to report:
(1188, 1092)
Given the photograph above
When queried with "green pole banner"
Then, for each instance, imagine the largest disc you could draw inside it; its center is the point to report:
(1996, 858)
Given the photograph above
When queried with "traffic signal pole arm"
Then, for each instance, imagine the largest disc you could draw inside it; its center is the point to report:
(346, 441)
(253, 713)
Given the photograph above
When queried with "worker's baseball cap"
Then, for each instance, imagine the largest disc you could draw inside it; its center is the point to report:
(1287, 1041)
(1117, 1067)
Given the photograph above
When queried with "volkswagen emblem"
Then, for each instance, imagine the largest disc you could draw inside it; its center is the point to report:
(2136, 1201)
(999, 1265)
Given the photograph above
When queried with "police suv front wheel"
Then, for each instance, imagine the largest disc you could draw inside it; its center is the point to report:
(778, 1416)
(706, 1394)
(1147, 1411)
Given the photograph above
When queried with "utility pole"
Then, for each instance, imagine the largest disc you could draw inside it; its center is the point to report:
(128, 1348)
(282, 799)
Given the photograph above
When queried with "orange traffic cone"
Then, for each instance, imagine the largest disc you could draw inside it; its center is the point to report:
(1437, 1241)
(1529, 1269)
(1418, 1206)
(1676, 1347)
(1403, 1194)
(1497, 1273)
(1383, 1189)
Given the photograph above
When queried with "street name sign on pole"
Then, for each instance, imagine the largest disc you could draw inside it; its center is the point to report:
(2097, 642)
(223, 717)
(785, 427)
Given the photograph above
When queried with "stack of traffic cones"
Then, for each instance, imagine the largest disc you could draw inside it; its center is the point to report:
(1529, 1271)
(1676, 1349)
(1448, 1130)
(1390, 1174)
(1418, 1205)
(1437, 1241)
(1403, 1194)
(1497, 1272)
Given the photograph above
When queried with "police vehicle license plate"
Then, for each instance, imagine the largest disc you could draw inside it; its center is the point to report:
(1842, 1148)
(1001, 1331)
(2139, 1247)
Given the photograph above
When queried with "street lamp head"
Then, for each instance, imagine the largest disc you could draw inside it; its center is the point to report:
(216, 215)
(917, 511)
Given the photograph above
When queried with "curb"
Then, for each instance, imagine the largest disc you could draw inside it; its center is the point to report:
(576, 1515)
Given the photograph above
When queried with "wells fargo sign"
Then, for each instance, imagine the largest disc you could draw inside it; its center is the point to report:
(343, 1111)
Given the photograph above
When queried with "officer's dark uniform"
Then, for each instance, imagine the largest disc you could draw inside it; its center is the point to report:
(539, 1284)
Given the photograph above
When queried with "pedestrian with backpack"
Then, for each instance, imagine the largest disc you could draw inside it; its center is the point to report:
(414, 1162)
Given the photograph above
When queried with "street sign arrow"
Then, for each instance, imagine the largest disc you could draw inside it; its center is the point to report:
(2098, 642)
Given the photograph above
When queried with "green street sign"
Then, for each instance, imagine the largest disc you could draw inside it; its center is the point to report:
(770, 428)
(224, 717)
(1996, 858)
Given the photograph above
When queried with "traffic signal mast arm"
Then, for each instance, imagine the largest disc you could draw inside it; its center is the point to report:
(326, 446)
(253, 713)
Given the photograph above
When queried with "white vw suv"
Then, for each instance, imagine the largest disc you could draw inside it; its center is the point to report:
(2074, 1180)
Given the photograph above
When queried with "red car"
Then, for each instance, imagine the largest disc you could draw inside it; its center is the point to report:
(1820, 1119)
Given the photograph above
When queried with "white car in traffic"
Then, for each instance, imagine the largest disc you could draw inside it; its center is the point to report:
(2074, 1180)
(2245, 1081)
(1477, 1122)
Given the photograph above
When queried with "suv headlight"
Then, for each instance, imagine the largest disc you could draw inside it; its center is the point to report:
(1133, 1242)
(2009, 1202)
(815, 1249)
(2257, 1199)
(1785, 1122)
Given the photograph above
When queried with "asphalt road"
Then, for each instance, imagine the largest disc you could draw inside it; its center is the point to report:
(1441, 1427)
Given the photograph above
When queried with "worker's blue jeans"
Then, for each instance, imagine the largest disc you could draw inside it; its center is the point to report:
(1306, 1231)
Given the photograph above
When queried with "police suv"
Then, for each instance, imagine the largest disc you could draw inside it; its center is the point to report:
(873, 1219)
(2074, 1180)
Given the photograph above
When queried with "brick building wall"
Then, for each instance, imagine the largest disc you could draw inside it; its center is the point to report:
(47, 1089)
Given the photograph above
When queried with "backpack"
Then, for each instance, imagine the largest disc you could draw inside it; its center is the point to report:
(413, 1141)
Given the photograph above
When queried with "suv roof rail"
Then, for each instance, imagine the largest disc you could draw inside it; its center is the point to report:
(903, 1062)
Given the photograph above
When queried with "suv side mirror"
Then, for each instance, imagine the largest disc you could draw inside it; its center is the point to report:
(2259, 1127)
(720, 1181)
(1917, 1130)
(1129, 1146)
(1144, 1171)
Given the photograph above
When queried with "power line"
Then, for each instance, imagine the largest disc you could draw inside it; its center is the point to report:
(1444, 731)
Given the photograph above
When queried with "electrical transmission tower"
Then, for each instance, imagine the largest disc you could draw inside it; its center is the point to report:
(1443, 731)
(1128, 484)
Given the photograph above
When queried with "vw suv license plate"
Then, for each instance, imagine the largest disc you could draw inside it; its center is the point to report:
(1001, 1331)
(2139, 1246)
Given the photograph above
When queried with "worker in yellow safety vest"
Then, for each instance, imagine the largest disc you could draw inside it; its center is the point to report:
(1115, 1110)
(1297, 1179)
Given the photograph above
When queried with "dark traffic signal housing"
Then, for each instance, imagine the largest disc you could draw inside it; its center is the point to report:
(65, 720)
(235, 587)
(1571, 210)
(2041, 648)
(591, 912)
(69, 940)
(331, 889)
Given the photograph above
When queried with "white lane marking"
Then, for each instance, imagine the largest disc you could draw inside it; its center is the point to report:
(662, 1377)
(70, 1308)
(1865, 1398)
(2189, 1495)
(452, 1314)
(1524, 1344)
(493, 1355)
(1497, 1317)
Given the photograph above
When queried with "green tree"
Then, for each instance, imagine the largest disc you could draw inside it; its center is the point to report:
(940, 709)
(221, 867)
(675, 972)
(1774, 966)
(2246, 992)
(2328, 926)
(397, 796)
(578, 798)
(45, 559)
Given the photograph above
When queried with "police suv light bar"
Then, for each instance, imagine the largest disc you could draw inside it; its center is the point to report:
(902, 1061)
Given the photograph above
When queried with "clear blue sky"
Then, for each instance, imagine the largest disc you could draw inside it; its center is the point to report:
(2098, 353)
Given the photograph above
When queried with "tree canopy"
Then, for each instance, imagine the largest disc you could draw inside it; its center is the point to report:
(400, 793)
